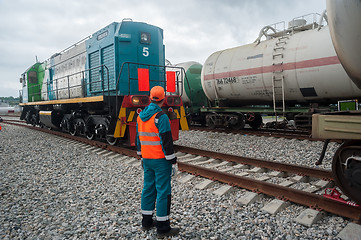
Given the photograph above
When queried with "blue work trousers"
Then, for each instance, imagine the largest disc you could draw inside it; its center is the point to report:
(157, 187)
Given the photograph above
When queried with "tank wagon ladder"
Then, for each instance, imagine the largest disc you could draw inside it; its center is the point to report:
(278, 89)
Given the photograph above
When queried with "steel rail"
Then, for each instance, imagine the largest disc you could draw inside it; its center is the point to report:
(263, 132)
(314, 201)
(103, 145)
(282, 167)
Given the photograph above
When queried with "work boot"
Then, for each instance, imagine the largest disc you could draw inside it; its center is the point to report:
(164, 229)
(147, 222)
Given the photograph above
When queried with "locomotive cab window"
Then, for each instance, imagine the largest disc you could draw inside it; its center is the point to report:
(32, 77)
(145, 37)
(23, 80)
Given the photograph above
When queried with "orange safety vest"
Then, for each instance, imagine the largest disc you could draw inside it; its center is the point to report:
(149, 139)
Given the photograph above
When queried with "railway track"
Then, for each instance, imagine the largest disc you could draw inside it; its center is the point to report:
(288, 183)
(278, 133)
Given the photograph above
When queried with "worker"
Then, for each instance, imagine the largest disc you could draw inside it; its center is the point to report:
(155, 148)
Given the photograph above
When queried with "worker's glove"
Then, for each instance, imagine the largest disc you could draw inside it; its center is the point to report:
(174, 170)
(173, 161)
(141, 163)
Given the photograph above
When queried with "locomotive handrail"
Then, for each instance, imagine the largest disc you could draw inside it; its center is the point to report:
(74, 45)
(68, 87)
(178, 82)
(180, 93)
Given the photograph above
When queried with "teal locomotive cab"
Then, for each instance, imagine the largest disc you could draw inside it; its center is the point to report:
(115, 53)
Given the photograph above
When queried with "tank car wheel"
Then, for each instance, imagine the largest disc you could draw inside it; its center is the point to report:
(250, 116)
(346, 168)
(112, 140)
(210, 122)
(257, 121)
(240, 123)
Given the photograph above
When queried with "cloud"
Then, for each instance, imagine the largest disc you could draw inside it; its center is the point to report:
(193, 29)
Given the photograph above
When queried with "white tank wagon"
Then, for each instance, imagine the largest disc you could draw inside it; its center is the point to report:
(295, 65)
(9, 110)
(303, 57)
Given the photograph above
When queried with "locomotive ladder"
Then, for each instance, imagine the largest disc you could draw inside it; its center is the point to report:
(278, 90)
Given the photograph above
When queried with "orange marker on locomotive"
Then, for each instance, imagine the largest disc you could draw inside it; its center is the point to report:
(98, 86)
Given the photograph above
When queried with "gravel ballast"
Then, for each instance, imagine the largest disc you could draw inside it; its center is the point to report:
(51, 189)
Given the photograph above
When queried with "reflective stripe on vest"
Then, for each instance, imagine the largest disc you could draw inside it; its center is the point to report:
(149, 139)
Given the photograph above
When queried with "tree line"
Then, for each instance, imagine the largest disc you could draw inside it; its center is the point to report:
(10, 100)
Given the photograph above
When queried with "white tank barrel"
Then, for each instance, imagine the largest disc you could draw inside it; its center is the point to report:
(301, 61)
(345, 26)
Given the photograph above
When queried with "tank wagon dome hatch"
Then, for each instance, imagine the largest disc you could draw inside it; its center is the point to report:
(298, 24)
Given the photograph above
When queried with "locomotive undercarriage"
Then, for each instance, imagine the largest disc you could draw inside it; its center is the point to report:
(79, 121)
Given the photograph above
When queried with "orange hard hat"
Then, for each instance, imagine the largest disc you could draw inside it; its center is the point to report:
(157, 93)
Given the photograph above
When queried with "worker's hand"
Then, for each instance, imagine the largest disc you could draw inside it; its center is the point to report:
(141, 163)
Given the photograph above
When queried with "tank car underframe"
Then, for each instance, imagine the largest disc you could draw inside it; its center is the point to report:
(222, 116)
(346, 167)
(237, 118)
(234, 120)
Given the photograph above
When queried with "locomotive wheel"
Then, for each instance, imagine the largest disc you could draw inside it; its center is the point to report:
(346, 168)
(90, 135)
(72, 130)
(33, 120)
(112, 140)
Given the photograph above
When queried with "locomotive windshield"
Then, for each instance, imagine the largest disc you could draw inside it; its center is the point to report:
(32, 77)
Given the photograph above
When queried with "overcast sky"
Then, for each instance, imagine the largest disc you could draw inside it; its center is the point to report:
(193, 29)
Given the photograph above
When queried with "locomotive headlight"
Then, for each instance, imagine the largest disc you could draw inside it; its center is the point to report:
(140, 100)
(145, 37)
(136, 100)
(173, 100)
